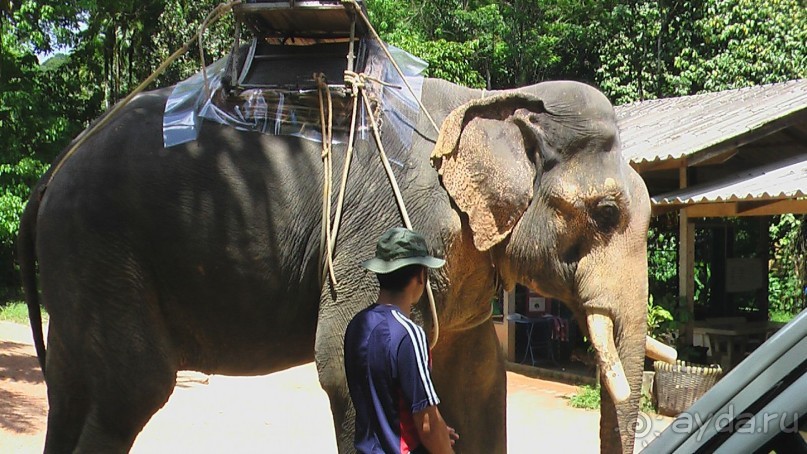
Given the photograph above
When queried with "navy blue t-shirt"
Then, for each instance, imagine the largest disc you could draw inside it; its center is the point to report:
(387, 366)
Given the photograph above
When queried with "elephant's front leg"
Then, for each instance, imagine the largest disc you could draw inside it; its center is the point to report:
(331, 371)
(335, 312)
(469, 373)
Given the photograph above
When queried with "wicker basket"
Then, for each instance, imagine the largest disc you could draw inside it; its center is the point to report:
(679, 385)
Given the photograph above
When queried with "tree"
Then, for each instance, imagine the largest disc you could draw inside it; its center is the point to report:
(665, 48)
(631, 49)
(447, 59)
(553, 39)
(35, 123)
(744, 43)
(786, 280)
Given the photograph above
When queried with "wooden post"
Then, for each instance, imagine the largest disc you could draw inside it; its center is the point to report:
(686, 264)
(763, 252)
(509, 307)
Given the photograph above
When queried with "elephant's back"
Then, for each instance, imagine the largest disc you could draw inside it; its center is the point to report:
(225, 180)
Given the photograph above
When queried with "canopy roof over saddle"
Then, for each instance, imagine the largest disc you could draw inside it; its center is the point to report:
(290, 19)
(302, 38)
(292, 53)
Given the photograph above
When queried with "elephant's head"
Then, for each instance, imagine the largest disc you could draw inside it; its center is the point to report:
(543, 185)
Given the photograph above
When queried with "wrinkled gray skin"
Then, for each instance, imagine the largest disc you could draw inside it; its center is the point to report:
(205, 256)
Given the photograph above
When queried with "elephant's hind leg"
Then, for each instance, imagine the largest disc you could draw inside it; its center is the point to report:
(109, 369)
(104, 412)
(67, 397)
(113, 422)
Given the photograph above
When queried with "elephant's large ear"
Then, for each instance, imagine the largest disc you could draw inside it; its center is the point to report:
(483, 159)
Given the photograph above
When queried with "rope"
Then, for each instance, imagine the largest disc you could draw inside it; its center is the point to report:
(358, 80)
(404, 214)
(351, 78)
(346, 168)
(326, 240)
(214, 15)
(211, 17)
(392, 60)
(395, 189)
(357, 83)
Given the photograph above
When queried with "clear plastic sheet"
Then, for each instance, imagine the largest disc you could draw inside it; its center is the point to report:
(400, 107)
(296, 113)
(181, 120)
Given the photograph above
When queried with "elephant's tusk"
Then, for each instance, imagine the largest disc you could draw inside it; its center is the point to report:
(601, 330)
(659, 351)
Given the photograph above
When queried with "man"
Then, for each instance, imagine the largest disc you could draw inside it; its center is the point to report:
(387, 356)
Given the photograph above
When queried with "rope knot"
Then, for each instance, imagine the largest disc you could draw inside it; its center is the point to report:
(321, 80)
(354, 81)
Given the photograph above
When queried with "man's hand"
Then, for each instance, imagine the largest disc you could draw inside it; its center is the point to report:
(452, 435)
(433, 431)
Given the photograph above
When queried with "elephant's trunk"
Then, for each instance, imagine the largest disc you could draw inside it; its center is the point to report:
(616, 319)
(612, 287)
(620, 349)
(618, 419)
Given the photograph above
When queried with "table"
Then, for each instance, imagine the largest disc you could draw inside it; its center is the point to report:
(539, 336)
(728, 339)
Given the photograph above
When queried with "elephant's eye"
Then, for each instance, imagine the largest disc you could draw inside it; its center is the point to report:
(606, 214)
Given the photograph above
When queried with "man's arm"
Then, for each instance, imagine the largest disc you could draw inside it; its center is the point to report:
(414, 378)
(435, 435)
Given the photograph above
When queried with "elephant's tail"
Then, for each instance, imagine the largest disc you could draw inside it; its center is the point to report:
(26, 257)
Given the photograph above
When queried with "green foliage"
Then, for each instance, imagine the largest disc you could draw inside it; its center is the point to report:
(658, 319)
(14, 178)
(745, 42)
(702, 276)
(17, 312)
(497, 44)
(786, 286)
(666, 313)
(112, 47)
(448, 59)
(646, 403)
(630, 67)
(662, 259)
(636, 49)
(781, 316)
(660, 49)
(177, 23)
(41, 108)
(587, 397)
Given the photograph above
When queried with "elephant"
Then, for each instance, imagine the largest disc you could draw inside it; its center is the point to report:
(206, 256)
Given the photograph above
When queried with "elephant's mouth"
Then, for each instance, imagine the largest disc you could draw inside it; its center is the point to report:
(601, 332)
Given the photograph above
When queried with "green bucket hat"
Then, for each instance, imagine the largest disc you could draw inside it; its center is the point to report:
(399, 247)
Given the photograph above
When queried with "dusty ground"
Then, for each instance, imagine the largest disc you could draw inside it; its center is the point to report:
(282, 412)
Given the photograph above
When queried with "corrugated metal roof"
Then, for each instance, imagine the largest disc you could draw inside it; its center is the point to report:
(781, 180)
(671, 128)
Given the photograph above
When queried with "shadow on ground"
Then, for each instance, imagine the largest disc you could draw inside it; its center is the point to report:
(19, 370)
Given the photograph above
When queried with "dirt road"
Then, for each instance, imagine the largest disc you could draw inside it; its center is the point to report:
(283, 412)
